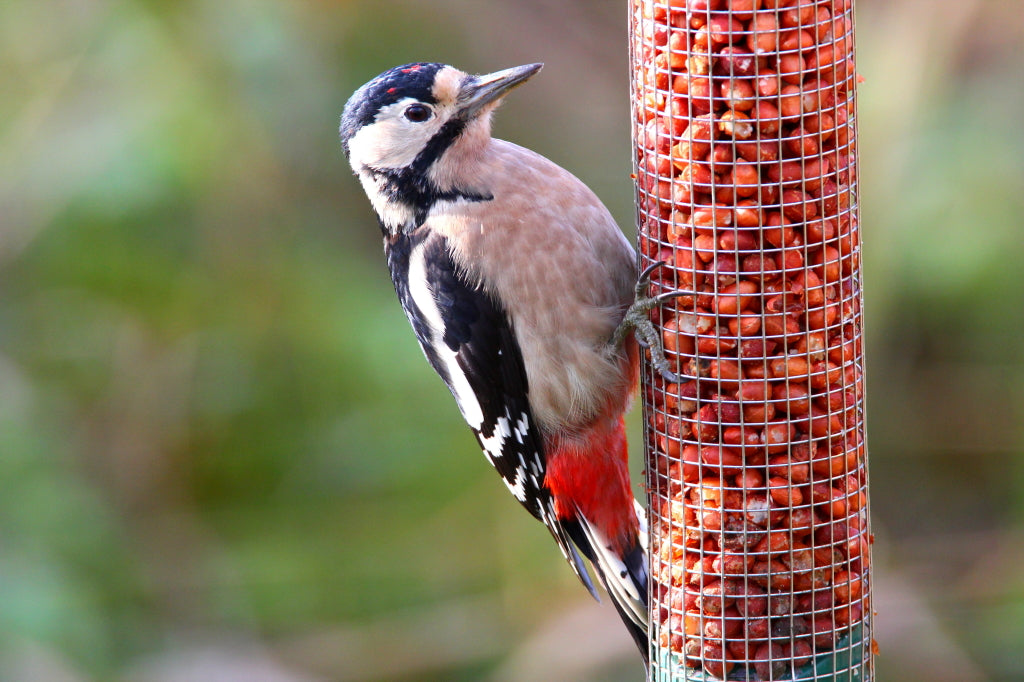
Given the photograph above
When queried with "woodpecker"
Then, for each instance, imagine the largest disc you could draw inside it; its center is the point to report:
(522, 292)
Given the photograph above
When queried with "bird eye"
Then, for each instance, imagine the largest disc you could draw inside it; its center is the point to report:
(418, 113)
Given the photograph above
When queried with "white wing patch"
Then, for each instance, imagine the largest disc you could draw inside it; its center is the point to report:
(505, 428)
(494, 448)
(419, 289)
(511, 445)
(522, 428)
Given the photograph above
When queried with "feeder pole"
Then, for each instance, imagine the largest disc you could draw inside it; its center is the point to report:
(745, 137)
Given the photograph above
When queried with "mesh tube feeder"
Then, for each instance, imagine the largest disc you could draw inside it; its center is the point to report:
(746, 174)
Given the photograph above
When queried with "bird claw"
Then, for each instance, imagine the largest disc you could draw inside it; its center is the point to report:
(669, 295)
(644, 280)
(637, 320)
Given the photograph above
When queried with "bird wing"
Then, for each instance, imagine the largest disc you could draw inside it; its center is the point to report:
(469, 341)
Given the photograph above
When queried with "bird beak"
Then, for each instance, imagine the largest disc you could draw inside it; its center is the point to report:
(479, 91)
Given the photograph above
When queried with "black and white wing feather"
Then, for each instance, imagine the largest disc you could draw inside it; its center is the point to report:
(470, 342)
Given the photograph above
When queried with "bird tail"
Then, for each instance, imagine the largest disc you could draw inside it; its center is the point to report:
(622, 571)
(594, 507)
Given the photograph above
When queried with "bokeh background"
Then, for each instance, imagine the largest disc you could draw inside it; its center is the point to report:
(222, 456)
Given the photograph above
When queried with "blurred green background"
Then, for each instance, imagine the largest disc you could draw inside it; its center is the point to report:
(222, 456)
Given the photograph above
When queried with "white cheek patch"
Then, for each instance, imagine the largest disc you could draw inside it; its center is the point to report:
(391, 141)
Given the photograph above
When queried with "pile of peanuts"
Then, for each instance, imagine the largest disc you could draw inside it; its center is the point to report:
(745, 133)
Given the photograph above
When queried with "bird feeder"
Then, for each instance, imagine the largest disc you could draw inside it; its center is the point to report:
(745, 136)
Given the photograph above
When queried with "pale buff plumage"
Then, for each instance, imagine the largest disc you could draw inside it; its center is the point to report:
(567, 246)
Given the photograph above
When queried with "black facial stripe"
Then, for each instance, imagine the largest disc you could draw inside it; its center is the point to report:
(438, 145)
(420, 195)
(411, 185)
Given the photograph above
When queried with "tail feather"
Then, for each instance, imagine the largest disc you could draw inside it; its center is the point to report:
(641, 518)
(624, 577)
(565, 538)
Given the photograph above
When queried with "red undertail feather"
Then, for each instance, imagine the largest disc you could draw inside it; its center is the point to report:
(589, 475)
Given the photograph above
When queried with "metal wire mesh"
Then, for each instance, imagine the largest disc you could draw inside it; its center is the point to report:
(745, 137)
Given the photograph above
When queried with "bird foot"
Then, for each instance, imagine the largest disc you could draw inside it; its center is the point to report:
(638, 321)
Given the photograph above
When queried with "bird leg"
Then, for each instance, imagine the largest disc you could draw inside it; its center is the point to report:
(638, 321)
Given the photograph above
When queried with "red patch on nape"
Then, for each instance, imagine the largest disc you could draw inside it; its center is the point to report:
(392, 91)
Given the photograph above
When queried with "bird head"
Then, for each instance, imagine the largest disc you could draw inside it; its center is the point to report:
(394, 118)
(408, 131)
